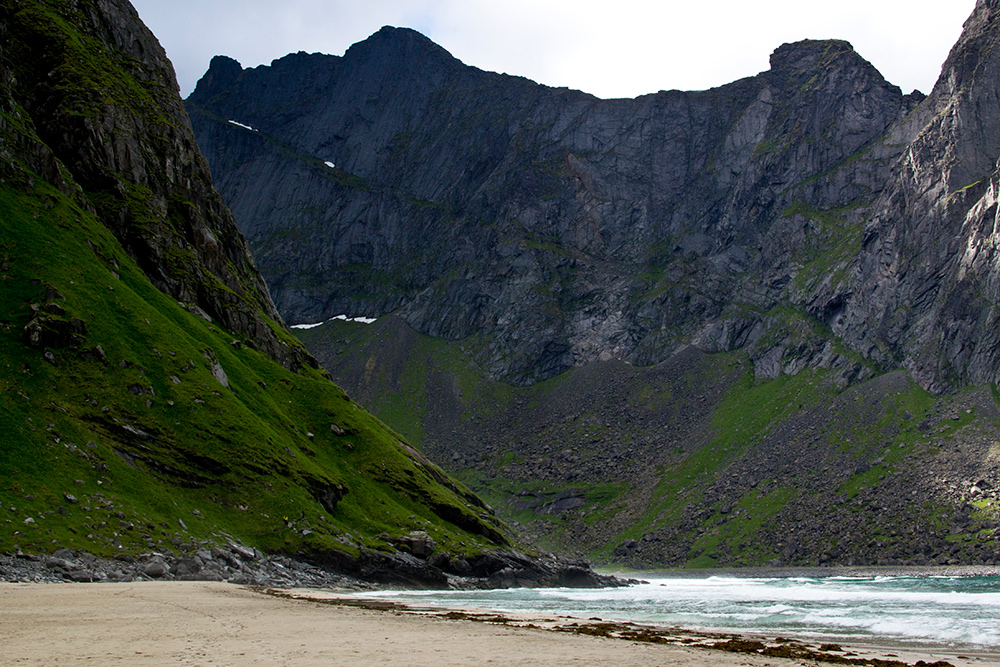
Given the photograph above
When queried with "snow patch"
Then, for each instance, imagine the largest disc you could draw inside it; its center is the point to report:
(345, 318)
(245, 127)
(362, 320)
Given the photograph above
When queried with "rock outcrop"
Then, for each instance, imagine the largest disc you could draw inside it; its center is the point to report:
(925, 288)
(127, 136)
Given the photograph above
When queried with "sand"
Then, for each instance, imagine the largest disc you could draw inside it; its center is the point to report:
(199, 623)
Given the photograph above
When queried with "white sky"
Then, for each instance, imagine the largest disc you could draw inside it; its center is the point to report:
(610, 48)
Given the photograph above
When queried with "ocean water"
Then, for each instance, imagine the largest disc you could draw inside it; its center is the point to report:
(937, 610)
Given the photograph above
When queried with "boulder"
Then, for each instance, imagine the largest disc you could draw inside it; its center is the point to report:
(155, 568)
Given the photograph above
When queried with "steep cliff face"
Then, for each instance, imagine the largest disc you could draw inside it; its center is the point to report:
(567, 229)
(563, 227)
(797, 270)
(925, 290)
(107, 105)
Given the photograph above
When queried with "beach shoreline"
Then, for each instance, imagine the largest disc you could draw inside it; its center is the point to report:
(824, 572)
(812, 650)
(225, 624)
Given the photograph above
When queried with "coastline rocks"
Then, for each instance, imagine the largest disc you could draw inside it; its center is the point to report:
(67, 565)
(417, 543)
(239, 564)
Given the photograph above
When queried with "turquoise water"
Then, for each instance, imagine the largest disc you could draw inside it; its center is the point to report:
(942, 610)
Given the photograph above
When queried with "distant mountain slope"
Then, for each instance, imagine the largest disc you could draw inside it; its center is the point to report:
(563, 227)
(693, 462)
(151, 399)
(926, 283)
(568, 229)
(749, 325)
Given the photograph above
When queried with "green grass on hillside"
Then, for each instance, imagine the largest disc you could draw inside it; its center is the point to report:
(768, 457)
(131, 422)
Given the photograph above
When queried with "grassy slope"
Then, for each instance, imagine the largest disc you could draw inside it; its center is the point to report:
(119, 432)
(700, 465)
(149, 435)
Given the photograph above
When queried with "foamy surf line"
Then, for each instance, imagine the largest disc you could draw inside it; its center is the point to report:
(946, 613)
(751, 646)
(173, 622)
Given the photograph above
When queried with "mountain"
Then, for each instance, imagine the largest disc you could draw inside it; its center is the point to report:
(749, 325)
(564, 227)
(925, 294)
(155, 409)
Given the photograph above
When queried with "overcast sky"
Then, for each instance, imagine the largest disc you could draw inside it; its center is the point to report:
(610, 48)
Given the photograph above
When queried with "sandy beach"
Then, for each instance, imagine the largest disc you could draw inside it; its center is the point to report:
(199, 623)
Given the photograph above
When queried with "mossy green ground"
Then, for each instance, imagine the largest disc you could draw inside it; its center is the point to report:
(845, 445)
(147, 426)
(153, 446)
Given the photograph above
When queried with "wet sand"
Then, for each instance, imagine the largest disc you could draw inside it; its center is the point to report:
(199, 623)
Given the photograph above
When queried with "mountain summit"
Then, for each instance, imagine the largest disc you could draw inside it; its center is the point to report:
(565, 227)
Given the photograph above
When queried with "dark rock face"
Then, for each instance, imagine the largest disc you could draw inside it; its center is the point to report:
(131, 150)
(567, 229)
(239, 564)
(812, 217)
(564, 227)
(926, 288)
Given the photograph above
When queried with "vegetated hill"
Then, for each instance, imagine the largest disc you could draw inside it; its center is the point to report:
(755, 324)
(693, 462)
(151, 398)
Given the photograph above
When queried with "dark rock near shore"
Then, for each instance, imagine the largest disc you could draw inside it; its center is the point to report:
(242, 565)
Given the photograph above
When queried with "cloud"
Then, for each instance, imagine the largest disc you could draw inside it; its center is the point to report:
(620, 49)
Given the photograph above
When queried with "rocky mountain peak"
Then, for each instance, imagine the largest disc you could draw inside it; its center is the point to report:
(962, 105)
(567, 229)
(828, 67)
(221, 74)
(926, 276)
(809, 55)
(483, 185)
(974, 47)
(400, 46)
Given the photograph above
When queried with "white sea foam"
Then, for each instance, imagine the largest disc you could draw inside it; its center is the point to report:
(953, 611)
